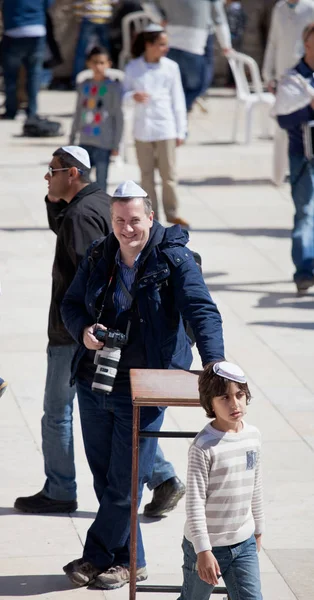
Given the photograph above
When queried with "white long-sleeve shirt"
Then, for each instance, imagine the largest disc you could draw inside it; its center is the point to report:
(163, 116)
(224, 503)
(284, 44)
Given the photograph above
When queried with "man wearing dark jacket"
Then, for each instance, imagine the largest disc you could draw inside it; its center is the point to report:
(143, 284)
(82, 216)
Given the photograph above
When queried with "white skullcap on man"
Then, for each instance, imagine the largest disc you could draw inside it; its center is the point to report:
(229, 370)
(79, 153)
(129, 189)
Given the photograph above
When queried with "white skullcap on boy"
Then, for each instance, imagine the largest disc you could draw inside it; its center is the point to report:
(153, 28)
(228, 370)
(79, 153)
(129, 189)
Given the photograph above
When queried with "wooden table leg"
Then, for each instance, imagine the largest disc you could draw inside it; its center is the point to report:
(134, 501)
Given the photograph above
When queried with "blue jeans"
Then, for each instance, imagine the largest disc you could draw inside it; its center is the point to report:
(302, 190)
(88, 30)
(100, 159)
(15, 52)
(107, 433)
(239, 568)
(57, 430)
(209, 64)
(193, 72)
(56, 424)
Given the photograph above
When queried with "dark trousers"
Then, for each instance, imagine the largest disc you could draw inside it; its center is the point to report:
(100, 159)
(15, 52)
(193, 72)
(106, 421)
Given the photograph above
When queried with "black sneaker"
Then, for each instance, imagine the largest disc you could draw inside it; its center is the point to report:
(165, 497)
(81, 572)
(304, 283)
(41, 504)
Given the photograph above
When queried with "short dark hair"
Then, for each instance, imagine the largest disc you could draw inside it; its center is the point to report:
(66, 160)
(211, 385)
(96, 51)
(146, 200)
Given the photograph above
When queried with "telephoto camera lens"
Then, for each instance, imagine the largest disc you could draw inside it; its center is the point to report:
(107, 359)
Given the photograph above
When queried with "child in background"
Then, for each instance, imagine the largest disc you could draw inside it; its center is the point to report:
(98, 118)
(224, 506)
(154, 83)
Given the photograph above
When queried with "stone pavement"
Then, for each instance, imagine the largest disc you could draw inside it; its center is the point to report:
(241, 226)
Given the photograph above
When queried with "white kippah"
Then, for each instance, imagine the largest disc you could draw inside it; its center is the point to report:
(229, 371)
(153, 28)
(129, 189)
(78, 153)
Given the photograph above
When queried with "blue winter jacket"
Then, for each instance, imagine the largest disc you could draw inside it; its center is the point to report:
(294, 121)
(169, 288)
(19, 13)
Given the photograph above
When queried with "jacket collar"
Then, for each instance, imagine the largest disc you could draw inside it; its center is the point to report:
(91, 188)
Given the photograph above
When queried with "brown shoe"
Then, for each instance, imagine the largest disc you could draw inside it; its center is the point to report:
(81, 572)
(116, 577)
(178, 221)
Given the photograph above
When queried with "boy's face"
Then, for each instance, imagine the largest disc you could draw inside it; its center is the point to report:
(99, 63)
(230, 408)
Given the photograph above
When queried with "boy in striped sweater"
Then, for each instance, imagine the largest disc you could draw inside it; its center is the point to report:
(224, 504)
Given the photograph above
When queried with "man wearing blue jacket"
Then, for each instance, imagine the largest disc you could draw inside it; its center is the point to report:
(23, 43)
(143, 284)
(295, 109)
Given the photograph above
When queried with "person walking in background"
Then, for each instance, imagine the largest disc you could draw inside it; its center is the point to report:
(188, 25)
(98, 118)
(295, 109)
(224, 503)
(283, 50)
(237, 20)
(95, 16)
(154, 83)
(23, 43)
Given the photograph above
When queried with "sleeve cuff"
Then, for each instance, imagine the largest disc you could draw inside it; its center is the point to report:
(201, 544)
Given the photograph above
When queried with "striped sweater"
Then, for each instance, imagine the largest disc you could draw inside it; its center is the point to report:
(96, 11)
(224, 488)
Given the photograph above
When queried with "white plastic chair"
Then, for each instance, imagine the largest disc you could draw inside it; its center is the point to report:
(240, 64)
(131, 24)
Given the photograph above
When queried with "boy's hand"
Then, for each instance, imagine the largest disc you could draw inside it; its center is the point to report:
(179, 142)
(114, 152)
(258, 538)
(141, 97)
(208, 567)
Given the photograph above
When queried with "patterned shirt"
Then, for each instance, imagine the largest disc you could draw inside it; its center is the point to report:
(123, 302)
(96, 11)
(224, 488)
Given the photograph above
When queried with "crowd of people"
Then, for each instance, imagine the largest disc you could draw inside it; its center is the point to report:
(124, 286)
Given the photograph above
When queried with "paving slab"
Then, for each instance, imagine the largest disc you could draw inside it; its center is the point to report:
(241, 226)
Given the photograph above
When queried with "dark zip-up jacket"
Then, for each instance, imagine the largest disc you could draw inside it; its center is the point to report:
(19, 13)
(169, 288)
(77, 225)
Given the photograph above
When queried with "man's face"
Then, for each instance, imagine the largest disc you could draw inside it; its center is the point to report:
(309, 46)
(131, 225)
(58, 183)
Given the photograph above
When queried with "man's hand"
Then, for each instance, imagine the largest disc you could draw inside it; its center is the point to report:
(258, 537)
(89, 340)
(312, 104)
(208, 567)
(179, 142)
(226, 51)
(52, 198)
(141, 97)
(271, 86)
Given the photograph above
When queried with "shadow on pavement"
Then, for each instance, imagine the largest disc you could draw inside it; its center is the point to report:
(29, 585)
(284, 325)
(224, 180)
(248, 231)
(19, 229)
(79, 514)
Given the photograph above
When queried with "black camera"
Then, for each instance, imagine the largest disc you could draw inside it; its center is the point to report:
(107, 359)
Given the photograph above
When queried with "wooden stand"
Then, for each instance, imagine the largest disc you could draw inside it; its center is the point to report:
(152, 387)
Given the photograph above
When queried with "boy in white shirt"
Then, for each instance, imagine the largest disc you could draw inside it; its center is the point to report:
(224, 506)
